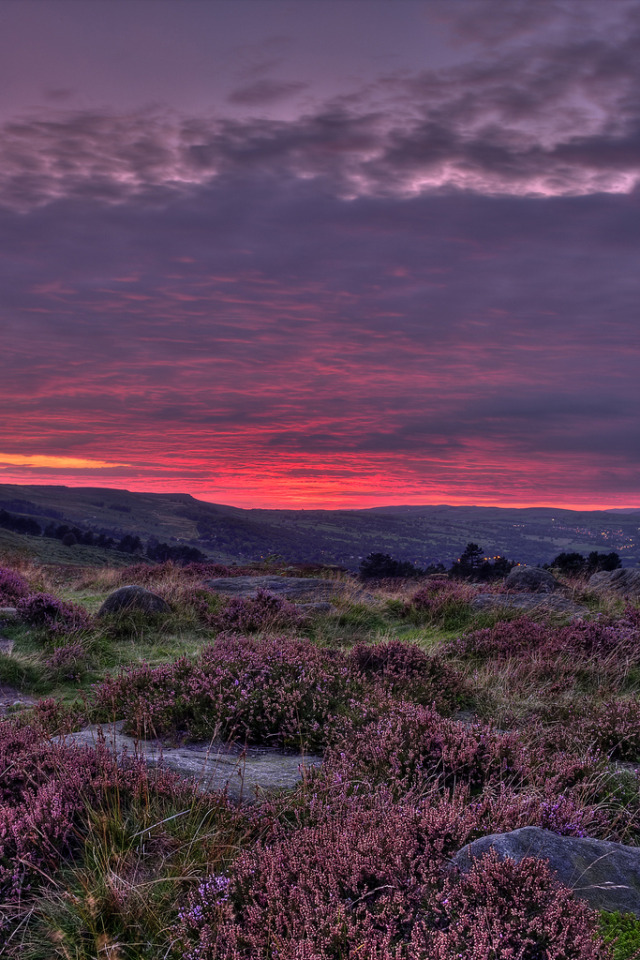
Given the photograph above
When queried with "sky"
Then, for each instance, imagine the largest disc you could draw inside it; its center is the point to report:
(322, 253)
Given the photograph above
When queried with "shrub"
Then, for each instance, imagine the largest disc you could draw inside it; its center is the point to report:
(442, 601)
(350, 885)
(278, 691)
(367, 877)
(501, 910)
(263, 612)
(55, 616)
(411, 673)
(69, 662)
(411, 746)
(13, 587)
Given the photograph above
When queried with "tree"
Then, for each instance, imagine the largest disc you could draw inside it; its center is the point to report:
(469, 563)
(380, 566)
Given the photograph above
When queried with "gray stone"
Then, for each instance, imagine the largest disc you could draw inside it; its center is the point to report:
(133, 598)
(626, 582)
(531, 580)
(530, 602)
(12, 699)
(8, 613)
(6, 646)
(605, 874)
(290, 587)
(245, 774)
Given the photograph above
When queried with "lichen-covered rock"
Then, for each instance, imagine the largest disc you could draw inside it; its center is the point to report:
(531, 580)
(626, 582)
(132, 597)
(605, 874)
(244, 772)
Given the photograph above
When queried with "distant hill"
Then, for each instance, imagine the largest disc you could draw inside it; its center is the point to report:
(420, 534)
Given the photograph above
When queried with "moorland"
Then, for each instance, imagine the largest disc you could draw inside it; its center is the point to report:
(436, 723)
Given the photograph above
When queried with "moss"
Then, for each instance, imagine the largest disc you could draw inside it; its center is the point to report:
(622, 931)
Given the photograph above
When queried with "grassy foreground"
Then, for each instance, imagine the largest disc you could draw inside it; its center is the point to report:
(437, 725)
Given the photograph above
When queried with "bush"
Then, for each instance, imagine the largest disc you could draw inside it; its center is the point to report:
(409, 672)
(367, 878)
(501, 910)
(277, 691)
(13, 587)
(264, 612)
(55, 616)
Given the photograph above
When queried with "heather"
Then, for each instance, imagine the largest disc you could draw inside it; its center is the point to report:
(436, 725)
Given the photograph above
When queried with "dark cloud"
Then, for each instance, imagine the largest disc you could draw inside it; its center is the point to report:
(562, 118)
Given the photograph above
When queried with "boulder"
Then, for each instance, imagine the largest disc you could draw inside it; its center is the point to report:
(8, 613)
(243, 773)
(290, 587)
(626, 582)
(605, 874)
(531, 580)
(133, 598)
(531, 602)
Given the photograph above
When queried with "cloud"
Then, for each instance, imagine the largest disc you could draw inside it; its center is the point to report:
(264, 91)
(428, 286)
(554, 115)
(58, 463)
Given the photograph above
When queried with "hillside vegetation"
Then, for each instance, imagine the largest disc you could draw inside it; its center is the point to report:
(436, 725)
(421, 535)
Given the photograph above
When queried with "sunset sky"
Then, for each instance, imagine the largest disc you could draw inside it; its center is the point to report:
(322, 253)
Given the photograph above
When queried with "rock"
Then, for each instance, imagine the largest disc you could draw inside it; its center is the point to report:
(133, 598)
(6, 646)
(11, 699)
(531, 580)
(536, 602)
(290, 587)
(8, 613)
(626, 582)
(215, 766)
(605, 874)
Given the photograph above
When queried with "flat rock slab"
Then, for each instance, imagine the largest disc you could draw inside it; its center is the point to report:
(605, 874)
(9, 613)
(290, 587)
(538, 602)
(245, 774)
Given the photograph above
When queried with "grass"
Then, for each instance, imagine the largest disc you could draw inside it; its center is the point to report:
(136, 864)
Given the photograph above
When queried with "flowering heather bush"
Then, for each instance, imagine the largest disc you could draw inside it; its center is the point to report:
(69, 662)
(408, 670)
(615, 729)
(13, 587)
(43, 790)
(265, 611)
(502, 910)
(351, 885)
(279, 691)
(368, 879)
(440, 591)
(55, 616)
(411, 746)
(581, 639)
